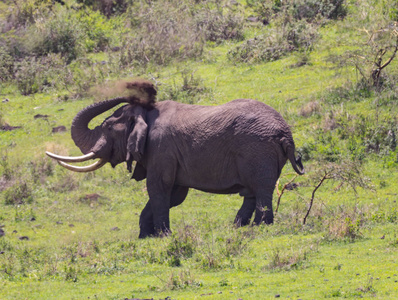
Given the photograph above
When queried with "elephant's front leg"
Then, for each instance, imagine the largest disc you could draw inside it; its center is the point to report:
(159, 199)
(245, 213)
(147, 227)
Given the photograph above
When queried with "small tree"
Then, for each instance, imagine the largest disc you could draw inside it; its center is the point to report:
(380, 50)
(346, 172)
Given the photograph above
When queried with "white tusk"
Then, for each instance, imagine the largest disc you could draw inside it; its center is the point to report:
(70, 158)
(92, 167)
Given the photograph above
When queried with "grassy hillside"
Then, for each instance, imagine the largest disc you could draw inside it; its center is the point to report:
(329, 67)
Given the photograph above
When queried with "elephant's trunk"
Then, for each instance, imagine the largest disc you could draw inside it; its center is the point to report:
(84, 137)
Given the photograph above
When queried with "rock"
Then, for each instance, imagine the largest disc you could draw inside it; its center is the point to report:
(59, 129)
(24, 238)
(2, 233)
(252, 19)
(40, 116)
(7, 127)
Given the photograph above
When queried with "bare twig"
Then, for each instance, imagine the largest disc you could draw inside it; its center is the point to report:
(325, 176)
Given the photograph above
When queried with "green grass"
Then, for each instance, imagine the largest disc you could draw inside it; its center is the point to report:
(83, 229)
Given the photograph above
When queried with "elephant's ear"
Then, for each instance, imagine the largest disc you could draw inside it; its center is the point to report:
(137, 138)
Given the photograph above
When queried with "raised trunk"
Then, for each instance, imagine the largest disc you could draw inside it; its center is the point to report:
(84, 137)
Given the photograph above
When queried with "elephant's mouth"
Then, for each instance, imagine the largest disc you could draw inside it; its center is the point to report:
(63, 159)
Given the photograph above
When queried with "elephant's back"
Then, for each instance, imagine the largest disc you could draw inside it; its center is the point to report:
(241, 116)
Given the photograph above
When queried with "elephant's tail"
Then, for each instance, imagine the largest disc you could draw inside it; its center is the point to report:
(296, 162)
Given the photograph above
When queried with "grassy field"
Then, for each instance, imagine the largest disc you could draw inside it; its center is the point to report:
(75, 236)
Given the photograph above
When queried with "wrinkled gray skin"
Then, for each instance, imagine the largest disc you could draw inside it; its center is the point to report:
(239, 147)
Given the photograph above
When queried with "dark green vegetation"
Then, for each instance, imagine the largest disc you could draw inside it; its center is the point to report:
(328, 67)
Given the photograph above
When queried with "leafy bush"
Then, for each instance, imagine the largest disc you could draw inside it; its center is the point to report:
(97, 31)
(106, 7)
(166, 30)
(6, 65)
(190, 91)
(82, 74)
(277, 43)
(218, 26)
(298, 9)
(25, 13)
(19, 193)
(61, 33)
(34, 75)
(310, 9)
(177, 29)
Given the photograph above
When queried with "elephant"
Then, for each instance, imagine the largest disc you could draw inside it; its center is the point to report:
(237, 147)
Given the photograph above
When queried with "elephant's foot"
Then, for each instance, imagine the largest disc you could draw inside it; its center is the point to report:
(264, 217)
(144, 233)
(240, 221)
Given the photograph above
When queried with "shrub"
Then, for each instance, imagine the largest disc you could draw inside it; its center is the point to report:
(310, 109)
(82, 74)
(298, 9)
(19, 193)
(191, 90)
(96, 30)
(180, 247)
(6, 65)
(61, 33)
(277, 43)
(310, 9)
(289, 259)
(218, 26)
(166, 30)
(107, 7)
(34, 74)
(25, 13)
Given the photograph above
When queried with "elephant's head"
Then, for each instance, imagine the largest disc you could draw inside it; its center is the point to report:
(121, 137)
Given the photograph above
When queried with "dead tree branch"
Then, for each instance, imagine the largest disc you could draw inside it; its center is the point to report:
(325, 176)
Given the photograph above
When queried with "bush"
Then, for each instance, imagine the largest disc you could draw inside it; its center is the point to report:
(19, 193)
(309, 10)
(106, 7)
(61, 33)
(218, 26)
(277, 43)
(190, 91)
(177, 29)
(6, 65)
(25, 13)
(34, 75)
(166, 30)
(97, 31)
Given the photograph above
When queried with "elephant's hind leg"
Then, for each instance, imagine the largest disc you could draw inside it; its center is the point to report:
(264, 212)
(245, 213)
